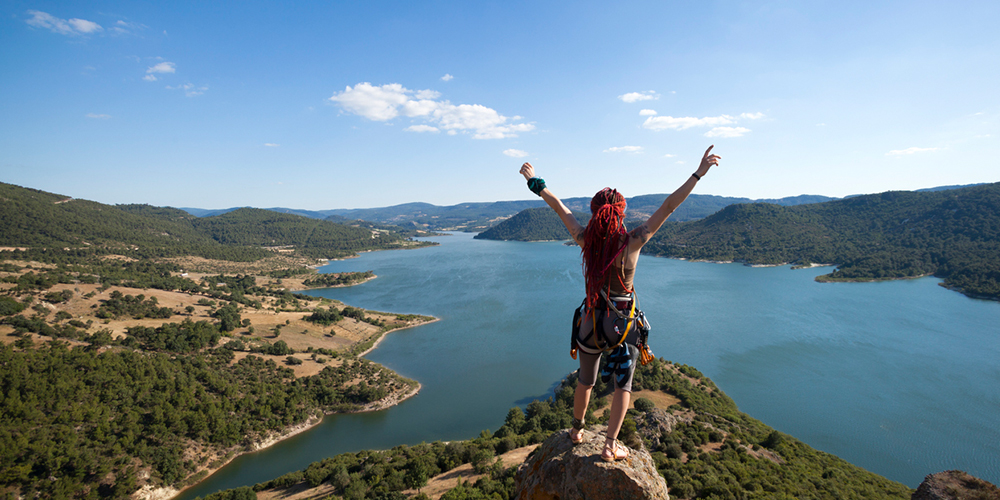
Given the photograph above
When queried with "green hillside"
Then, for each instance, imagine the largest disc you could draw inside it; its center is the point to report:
(953, 234)
(714, 451)
(533, 224)
(33, 218)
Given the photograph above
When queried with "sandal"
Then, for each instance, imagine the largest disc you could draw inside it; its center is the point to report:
(612, 451)
(576, 433)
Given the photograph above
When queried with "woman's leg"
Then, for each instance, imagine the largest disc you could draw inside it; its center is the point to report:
(619, 405)
(584, 385)
(581, 400)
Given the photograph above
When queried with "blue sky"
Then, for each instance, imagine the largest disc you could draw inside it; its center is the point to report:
(320, 105)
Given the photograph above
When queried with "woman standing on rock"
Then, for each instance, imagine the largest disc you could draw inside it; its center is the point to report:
(609, 320)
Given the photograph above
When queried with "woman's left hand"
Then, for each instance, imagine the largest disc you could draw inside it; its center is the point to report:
(708, 161)
(527, 171)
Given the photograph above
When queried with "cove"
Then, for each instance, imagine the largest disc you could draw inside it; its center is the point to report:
(899, 377)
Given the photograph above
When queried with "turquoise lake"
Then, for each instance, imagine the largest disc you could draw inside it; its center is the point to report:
(899, 377)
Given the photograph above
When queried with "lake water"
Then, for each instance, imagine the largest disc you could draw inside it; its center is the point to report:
(901, 377)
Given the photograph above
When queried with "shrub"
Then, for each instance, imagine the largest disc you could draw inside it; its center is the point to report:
(644, 404)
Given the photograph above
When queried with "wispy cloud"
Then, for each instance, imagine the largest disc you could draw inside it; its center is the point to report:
(647, 112)
(446, 77)
(98, 116)
(515, 153)
(645, 95)
(717, 122)
(159, 68)
(910, 151)
(126, 28)
(387, 102)
(422, 128)
(669, 156)
(271, 144)
(73, 26)
(727, 132)
(624, 149)
(190, 90)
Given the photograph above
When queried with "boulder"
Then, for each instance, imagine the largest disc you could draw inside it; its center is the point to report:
(955, 485)
(560, 470)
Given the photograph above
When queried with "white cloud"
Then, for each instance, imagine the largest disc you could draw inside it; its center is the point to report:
(647, 112)
(624, 149)
(85, 26)
(717, 122)
(163, 67)
(727, 132)
(669, 156)
(515, 153)
(387, 102)
(685, 122)
(271, 144)
(125, 28)
(189, 89)
(98, 116)
(150, 78)
(63, 26)
(646, 95)
(910, 151)
(446, 78)
(422, 128)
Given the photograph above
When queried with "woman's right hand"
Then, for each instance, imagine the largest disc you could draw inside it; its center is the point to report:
(708, 161)
(527, 171)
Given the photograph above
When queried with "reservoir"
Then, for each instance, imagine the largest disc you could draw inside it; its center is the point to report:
(899, 377)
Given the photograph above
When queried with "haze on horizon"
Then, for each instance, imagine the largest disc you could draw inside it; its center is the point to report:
(335, 105)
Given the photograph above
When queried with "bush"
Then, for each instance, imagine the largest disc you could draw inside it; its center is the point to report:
(644, 404)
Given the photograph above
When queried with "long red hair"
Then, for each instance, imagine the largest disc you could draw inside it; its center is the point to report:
(602, 241)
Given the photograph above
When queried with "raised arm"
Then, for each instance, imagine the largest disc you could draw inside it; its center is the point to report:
(574, 227)
(640, 235)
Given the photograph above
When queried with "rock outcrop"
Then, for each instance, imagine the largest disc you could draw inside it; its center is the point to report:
(560, 470)
(955, 485)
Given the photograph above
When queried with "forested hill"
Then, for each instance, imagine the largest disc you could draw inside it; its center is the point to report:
(953, 234)
(33, 218)
(533, 224)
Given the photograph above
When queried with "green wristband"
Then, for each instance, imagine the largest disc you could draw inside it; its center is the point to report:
(536, 185)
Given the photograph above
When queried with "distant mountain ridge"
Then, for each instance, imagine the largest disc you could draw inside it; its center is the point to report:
(479, 216)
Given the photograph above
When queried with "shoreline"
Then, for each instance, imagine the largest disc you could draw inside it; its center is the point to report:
(366, 280)
(170, 492)
(386, 334)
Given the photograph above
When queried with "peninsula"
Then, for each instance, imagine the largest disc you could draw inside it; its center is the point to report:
(145, 349)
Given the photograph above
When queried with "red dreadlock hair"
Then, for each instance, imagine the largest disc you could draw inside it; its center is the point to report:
(602, 241)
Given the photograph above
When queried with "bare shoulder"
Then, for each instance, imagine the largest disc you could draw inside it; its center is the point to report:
(641, 233)
(577, 234)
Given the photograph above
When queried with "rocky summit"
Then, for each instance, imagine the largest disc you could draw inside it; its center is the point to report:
(558, 469)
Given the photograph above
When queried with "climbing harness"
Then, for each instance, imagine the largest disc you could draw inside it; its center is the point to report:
(626, 320)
